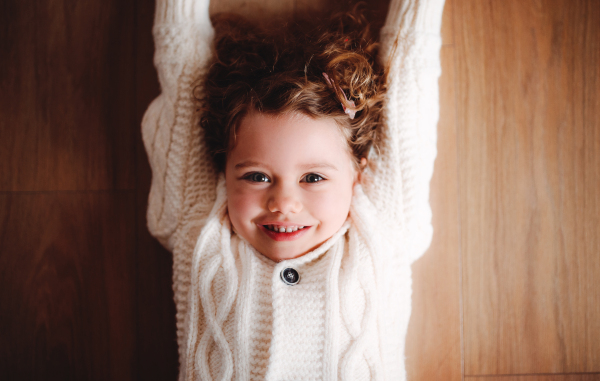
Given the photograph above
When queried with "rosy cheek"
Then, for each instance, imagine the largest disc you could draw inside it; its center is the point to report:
(243, 207)
(331, 207)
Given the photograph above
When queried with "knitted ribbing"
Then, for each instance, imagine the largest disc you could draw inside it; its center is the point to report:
(233, 313)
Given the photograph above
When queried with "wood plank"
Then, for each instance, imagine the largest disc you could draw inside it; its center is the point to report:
(314, 6)
(448, 23)
(262, 10)
(254, 9)
(528, 89)
(157, 355)
(376, 10)
(540, 377)
(67, 291)
(157, 352)
(67, 99)
(433, 347)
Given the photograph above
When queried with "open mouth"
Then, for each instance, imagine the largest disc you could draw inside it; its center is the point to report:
(283, 229)
(284, 233)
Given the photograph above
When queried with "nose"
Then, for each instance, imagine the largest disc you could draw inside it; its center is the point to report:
(284, 200)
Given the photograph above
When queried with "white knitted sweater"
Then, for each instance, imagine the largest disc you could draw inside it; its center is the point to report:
(347, 318)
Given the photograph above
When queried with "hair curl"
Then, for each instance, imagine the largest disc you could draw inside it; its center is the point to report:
(280, 70)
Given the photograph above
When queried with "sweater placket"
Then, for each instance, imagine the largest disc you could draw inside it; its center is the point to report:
(302, 328)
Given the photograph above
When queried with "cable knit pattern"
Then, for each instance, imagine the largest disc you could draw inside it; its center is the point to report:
(347, 318)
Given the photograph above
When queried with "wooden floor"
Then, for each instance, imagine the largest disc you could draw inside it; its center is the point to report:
(508, 291)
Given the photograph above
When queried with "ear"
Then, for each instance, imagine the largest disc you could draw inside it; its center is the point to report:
(361, 167)
(363, 163)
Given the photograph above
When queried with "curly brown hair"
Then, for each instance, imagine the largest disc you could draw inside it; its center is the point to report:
(281, 70)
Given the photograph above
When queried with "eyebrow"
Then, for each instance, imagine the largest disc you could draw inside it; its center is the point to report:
(319, 165)
(250, 163)
(246, 164)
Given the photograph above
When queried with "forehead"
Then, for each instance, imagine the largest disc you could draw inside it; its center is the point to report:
(291, 137)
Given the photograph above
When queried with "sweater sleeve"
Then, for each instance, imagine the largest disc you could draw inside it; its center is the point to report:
(182, 174)
(397, 181)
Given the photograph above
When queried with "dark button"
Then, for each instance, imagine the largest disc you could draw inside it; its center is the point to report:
(290, 276)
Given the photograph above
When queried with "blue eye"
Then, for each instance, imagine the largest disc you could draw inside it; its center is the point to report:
(257, 177)
(313, 178)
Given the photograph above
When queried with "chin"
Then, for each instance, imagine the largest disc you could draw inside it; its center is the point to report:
(281, 255)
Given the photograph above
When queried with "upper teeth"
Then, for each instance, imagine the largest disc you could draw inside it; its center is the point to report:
(284, 229)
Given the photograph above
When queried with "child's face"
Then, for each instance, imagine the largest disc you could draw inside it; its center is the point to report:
(285, 172)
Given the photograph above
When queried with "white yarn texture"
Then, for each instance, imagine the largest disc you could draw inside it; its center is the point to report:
(348, 316)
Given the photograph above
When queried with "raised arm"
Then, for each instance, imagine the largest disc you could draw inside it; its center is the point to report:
(399, 175)
(182, 175)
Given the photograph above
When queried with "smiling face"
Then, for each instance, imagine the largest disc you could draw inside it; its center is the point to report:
(289, 183)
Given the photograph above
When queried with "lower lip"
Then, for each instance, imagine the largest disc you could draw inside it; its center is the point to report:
(277, 236)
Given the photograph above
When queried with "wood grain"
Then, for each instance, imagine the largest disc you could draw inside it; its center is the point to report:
(68, 286)
(540, 377)
(157, 355)
(67, 99)
(528, 106)
(448, 23)
(433, 347)
(274, 11)
(256, 9)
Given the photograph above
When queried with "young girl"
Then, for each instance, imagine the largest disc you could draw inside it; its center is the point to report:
(295, 201)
